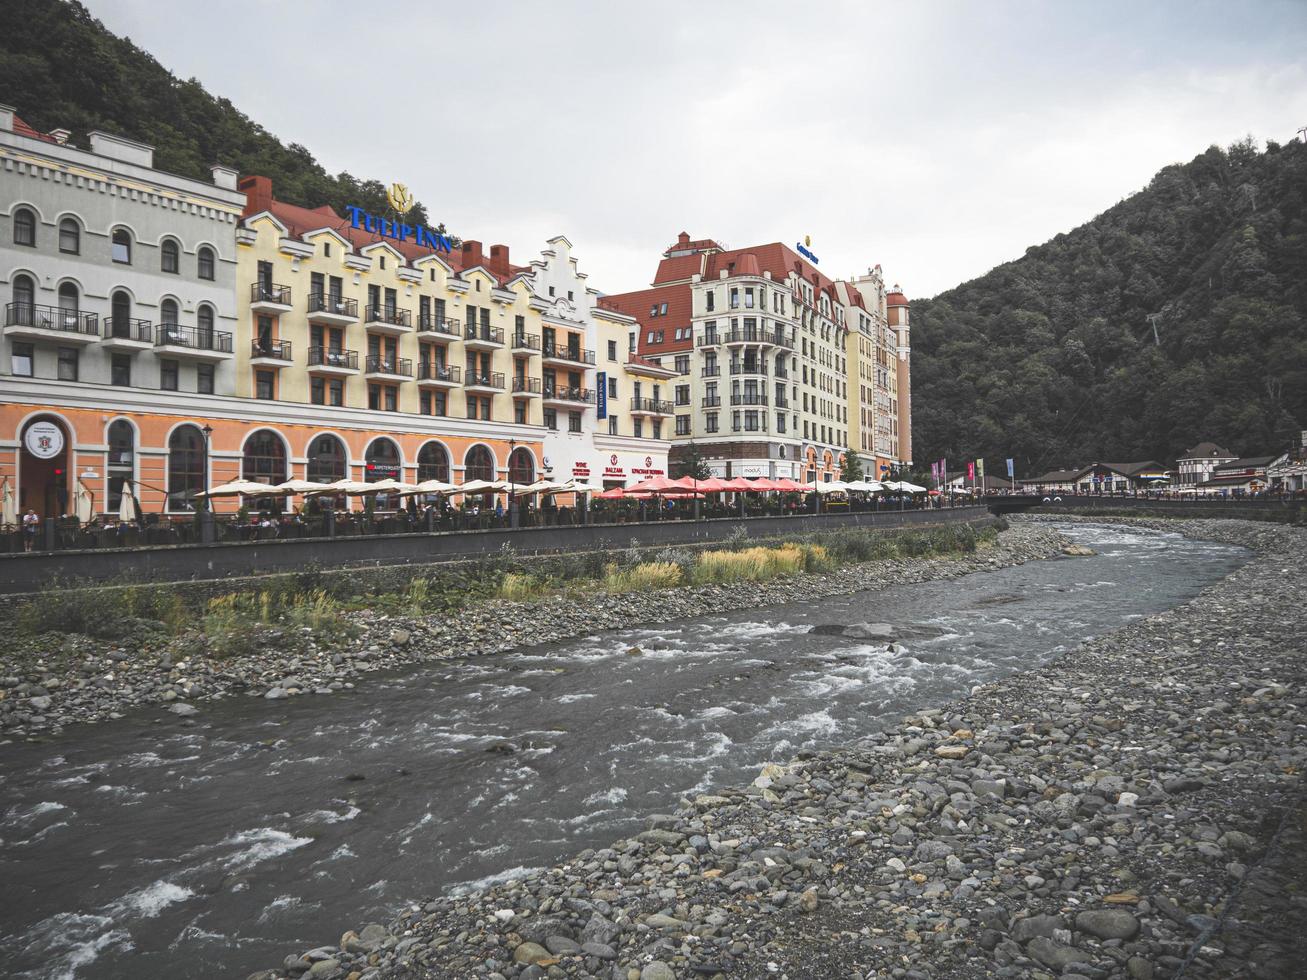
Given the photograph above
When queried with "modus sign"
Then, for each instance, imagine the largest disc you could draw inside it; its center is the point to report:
(418, 234)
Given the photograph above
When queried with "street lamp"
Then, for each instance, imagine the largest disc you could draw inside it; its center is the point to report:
(512, 497)
(208, 431)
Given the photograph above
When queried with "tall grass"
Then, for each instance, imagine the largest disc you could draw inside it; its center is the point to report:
(643, 577)
(757, 564)
(230, 620)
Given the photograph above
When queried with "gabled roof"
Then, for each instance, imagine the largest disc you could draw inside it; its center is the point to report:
(1054, 476)
(1129, 469)
(637, 305)
(1248, 462)
(1206, 450)
(22, 129)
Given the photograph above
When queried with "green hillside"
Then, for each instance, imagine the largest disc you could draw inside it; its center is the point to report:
(1051, 358)
(61, 68)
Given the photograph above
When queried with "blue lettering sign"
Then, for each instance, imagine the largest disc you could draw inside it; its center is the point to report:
(601, 384)
(806, 254)
(419, 234)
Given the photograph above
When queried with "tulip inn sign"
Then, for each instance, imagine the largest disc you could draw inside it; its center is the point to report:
(399, 198)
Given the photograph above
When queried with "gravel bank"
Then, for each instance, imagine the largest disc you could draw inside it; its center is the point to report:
(60, 679)
(1095, 818)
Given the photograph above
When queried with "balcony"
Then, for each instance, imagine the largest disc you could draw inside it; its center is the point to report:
(334, 311)
(483, 337)
(378, 367)
(434, 375)
(746, 335)
(438, 328)
(749, 367)
(780, 372)
(274, 354)
(525, 343)
(780, 339)
(748, 398)
(388, 320)
(481, 382)
(566, 354)
(709, 338)
(711, 371)
(174, 340)
(712, 401)
(782, 401)
(122, 333)
(327, 360)
(524, 387)
(568, 394)
(29, 322)
(651, 406)
(269, 297)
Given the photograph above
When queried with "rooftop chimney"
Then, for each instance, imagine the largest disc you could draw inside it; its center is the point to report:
(258, 193)
(120, 148)
(472, 254)
(499, 259)
(224, 177)
(60, 136)
(6, 118)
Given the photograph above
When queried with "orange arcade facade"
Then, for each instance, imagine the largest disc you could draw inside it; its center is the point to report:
(176, 334)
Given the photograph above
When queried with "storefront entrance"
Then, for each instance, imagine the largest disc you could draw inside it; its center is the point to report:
(43, 468)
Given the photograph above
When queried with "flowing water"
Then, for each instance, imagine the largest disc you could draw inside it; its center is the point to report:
(153, 847)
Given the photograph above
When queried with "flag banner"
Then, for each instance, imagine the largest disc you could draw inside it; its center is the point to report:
(1011, 469)
(980, 471)
(971, 472)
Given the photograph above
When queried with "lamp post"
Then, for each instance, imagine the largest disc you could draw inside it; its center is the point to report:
(206, 511)
(512, 497)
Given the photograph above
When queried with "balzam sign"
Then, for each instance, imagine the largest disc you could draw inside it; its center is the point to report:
(418, 234)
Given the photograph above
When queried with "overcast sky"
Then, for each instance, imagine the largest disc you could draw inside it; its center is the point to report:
(938, 139)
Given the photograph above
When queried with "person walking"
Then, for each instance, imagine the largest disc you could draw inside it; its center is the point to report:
(31, 523)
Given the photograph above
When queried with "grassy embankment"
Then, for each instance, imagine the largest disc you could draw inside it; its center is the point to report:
(316, 606)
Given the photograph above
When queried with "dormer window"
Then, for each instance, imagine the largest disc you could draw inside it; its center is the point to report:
(383, 261)
(326, 249)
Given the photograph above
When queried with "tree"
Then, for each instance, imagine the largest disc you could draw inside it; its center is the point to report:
(850, 466)
(691, 463)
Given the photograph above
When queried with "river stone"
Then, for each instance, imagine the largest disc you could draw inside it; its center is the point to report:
(1108, 923)
(530, 953)
(931, 850)
(657, 970)
(1054, 954)
(601, 950)
(561, 946)
(808, 900)
(185, 710)
(325, 968)
(1024, 930)
(660, 921)
(600, 930)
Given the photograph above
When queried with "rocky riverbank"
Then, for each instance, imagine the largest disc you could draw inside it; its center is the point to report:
(1095, 818)
(57, 680)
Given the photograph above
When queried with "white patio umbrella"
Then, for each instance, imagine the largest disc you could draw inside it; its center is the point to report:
(9, 505)
(540, 486)
(483, 486)
(907, 487)
(433, 486)
(385, 486)
(344, 486)
(300, 486)
(84, 503)
(866, 486)
(129, 511)
(576, 486)
(236, 488)
(835, 486)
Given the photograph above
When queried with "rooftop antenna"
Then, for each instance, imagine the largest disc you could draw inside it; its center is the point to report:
(1152, 320)
(1302, 132)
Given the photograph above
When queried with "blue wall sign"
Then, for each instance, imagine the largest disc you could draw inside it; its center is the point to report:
(806, 254)
(419, 234)
(601, 385)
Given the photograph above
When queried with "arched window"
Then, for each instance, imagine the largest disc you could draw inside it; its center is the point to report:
(204, 326)
(68, 305)
(120, 324)
(122, 461)
(381, 461)
(70, 236)
(25, 227)
(205, 262)
(168, 311)
(265, 458)
(326, 460)
(170, 259)
(186, 467)
(433, 463)
(22, 312)
(122, 246)
(478, 464)
(521, 467)
(169, 331)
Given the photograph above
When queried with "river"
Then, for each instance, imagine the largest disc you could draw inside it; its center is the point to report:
(161, 847)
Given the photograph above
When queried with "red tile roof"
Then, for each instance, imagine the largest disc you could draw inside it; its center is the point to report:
(896, 298)
(638, 304)
(678, 268)
(22, 129)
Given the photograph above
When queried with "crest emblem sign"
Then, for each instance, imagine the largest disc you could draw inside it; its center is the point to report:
(44, 440)
(400, 199)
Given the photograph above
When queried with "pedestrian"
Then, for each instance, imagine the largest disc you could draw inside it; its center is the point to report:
(31, 522)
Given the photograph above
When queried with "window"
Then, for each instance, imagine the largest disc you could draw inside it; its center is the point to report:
(551, 419)
(264, 385)
(710, 422)
(68, 305)
(630, 341)
(657, 428)
(573, 421)
(612, 350)
(204, 379)
(519, 412)
(569, 294)
(336, 392)
(168, 375)
(682, 363)
(710, 300)
(25, 227)
(521, 466)
(662, 310)
(70, 236)
(20, 359)
(326, 460)
(639, 427)
(205, 262)
(67, 363)
(612, 425)
(682, 425)
(170, 257)
(682, 394)
(478, 464)
(264, 460)
(122, 458)
(204, 326)
(186, 466)
(433, 463)
(120, 370)
(318, 391)
(612, 387)
(122, 247)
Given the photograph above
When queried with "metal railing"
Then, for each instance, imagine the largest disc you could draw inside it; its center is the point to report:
(526, 386)
(526, 341)
(444, 325)
(52, 318)
(125, 328)
(270, 292)
(193, 338)
(576, 355)
(335, 305)
(329, 357)
(569, 393)
(380, 364)
(748, 399)
(430, 371)
(392, 315)
(656, 405)
(748, 368)
(485, 335)
(477, 379)
(279, 350)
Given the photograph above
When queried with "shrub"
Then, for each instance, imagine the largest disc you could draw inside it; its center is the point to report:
(232, 621)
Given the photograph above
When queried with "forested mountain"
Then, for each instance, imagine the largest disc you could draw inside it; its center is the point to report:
(61, 68)
(1051, 358)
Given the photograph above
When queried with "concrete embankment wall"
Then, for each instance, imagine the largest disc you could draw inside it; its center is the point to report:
(1252, 510)
(31, 573)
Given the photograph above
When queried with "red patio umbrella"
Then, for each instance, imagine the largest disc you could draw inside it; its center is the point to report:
(789, 486)
(740, 485)
(617, 493)
(657, 484)
(712, 484)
